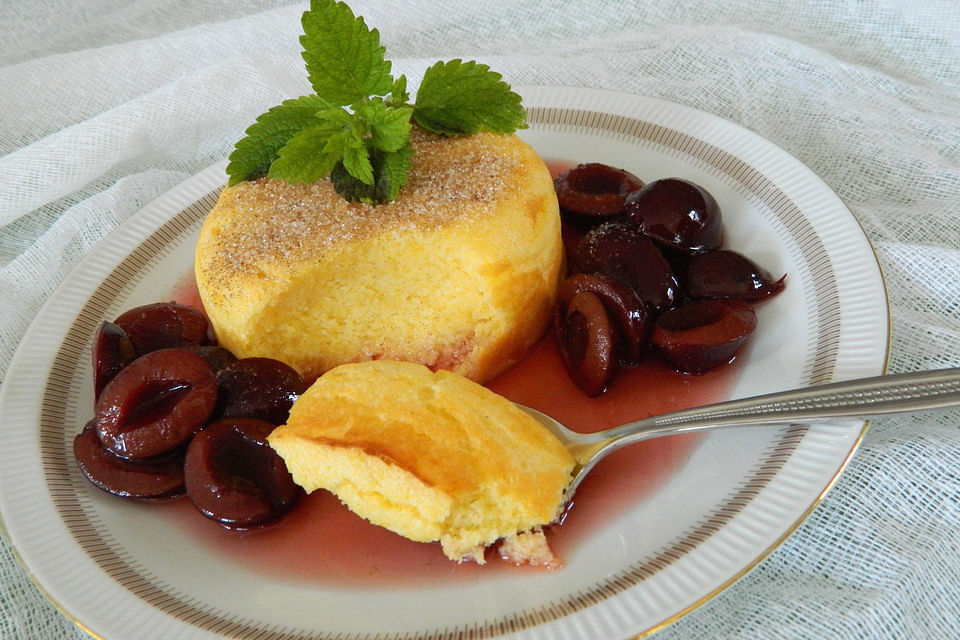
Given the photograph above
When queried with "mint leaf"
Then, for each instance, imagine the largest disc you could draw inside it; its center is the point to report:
(356, 160)
(307, 156)
(253, 154)
(459, 97)
(390, 171)
(345, 62)
(398, 94)
(312, 153)
(389, 125)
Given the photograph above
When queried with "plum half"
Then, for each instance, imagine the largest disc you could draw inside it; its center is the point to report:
(727, 274)
(620, 251)
(587, 343)
(258, 388)
(590, 193)
(233, 476)
(155, 404)
(678, 214)
(704, 334)
(151, 479)
(112, 351)
(163, 325)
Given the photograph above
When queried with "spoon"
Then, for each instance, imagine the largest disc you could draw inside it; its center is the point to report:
(863, 398)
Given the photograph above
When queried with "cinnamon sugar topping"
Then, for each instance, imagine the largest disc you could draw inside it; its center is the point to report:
(266, 220)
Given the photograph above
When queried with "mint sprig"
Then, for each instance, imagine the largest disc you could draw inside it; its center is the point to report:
(356, 127)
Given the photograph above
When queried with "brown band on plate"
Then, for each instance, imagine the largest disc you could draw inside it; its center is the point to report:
(81, 520)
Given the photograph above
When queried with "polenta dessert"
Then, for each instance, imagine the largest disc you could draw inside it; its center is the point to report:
(459, 272)
(431, 456)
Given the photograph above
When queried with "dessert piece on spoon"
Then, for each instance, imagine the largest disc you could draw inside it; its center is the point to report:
(429, 455)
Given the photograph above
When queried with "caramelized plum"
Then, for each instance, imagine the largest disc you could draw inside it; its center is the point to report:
(590, 193)
(703, 335)
(677, 213)
(623, 306)
(587, 343)
(620, 251)
(728, 274)
(258, 388)
(155, 404)
(112, 351)
(234, 477)
(163, 325)
(153, 479)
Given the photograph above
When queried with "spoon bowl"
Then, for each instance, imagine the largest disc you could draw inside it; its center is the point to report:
(862, 398)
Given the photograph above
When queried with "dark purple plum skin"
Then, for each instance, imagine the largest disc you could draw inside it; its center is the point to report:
(217, 357)
(163, 325)
(153, 479)
(728, 274)
(258, 388)
(678, 214)
(620, 251)
(233, 476)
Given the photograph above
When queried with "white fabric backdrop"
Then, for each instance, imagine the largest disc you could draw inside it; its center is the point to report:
(106, 104)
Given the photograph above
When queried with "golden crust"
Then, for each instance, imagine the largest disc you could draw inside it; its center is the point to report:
(460, 272)
(428, 455)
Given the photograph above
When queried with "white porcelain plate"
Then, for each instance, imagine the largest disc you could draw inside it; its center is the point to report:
(121, 571)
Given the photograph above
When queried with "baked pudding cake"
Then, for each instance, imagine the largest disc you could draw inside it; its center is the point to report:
(460, 272)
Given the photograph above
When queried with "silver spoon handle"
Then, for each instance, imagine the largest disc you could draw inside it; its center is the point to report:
(864, 398)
